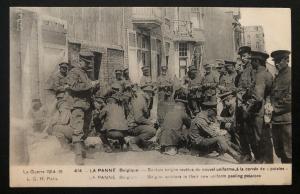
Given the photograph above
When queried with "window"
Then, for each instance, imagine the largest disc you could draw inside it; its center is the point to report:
(182, 49)
(257, 45)
(195, 20)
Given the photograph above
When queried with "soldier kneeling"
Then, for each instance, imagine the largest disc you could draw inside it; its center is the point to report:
(111, 122)
(207, 136)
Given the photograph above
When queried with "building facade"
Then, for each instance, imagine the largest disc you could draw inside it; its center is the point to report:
(254, 37)
(175, 37)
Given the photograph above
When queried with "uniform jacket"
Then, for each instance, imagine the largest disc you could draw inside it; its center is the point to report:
(113, 117)
(139, 112)
(59, 81)
(195, 87)
(176, 118)
(281, 97)
(79, 88)
(262, 88)
(247, 78)
(210, 82)
(226, 82)
(201, 128)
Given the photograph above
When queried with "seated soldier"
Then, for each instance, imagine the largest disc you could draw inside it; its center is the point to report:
(227, 116)
(206, 135)
(140, 126)
(172, 135)
(114, 123)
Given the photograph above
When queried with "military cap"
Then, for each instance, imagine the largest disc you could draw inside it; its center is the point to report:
(125, 68)
(226, 95)
(145, 68)
(279, 54)
(116, 86)
(227, 63)
(118, 70)
(244, 49)
(147, 88)
(208, 65)
(259, 55)
(86, 56)
(220, 63)
(212, 102)
(64, 64)
(164, 67)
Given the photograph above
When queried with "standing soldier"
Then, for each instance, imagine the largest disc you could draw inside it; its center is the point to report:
(146, 80)
(119, 78)
(245, 83)
(127, 90)
(195, 93)
(209, 84)
(260, 136)
(80, 90)
(281, 101)
(60, 84)
(226, 82)
(165, 90)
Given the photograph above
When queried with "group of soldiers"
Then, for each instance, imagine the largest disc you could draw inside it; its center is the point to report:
(235, 108)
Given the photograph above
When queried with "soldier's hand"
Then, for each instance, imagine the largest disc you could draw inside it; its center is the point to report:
(66, 86)
(227, 126)
(95, 83)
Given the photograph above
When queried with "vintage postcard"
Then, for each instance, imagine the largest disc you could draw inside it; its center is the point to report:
(150, 96)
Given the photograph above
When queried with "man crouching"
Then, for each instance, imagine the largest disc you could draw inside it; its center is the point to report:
(206, 134)
(113, 124)
(172, 134)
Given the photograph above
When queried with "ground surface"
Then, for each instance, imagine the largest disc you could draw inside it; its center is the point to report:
(45, 150)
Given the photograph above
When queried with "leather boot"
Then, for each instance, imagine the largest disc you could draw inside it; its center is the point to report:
(78, 153)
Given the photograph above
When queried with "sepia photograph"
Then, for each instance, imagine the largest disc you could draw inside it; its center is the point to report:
(145, 96)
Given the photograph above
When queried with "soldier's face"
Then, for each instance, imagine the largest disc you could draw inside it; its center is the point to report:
(245, 57)
(163, 72)
(146, 73)
(63, 70)
(118, 76)
(207, 70)
(282, 63)
(126, 74)
(230, 68)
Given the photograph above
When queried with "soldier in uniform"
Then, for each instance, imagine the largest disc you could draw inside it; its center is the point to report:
(260, 136)
(80, 90)
(60, 84)
(119, 78)
(220, 68)
(281, 103)
(146, 80)
(140, 126)
(172, 135)
(206, 135)
(165, 90)
(194, 87)
(245, 83)
(127, 90)
(115, 125)
(209, 83)
(226, 82)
